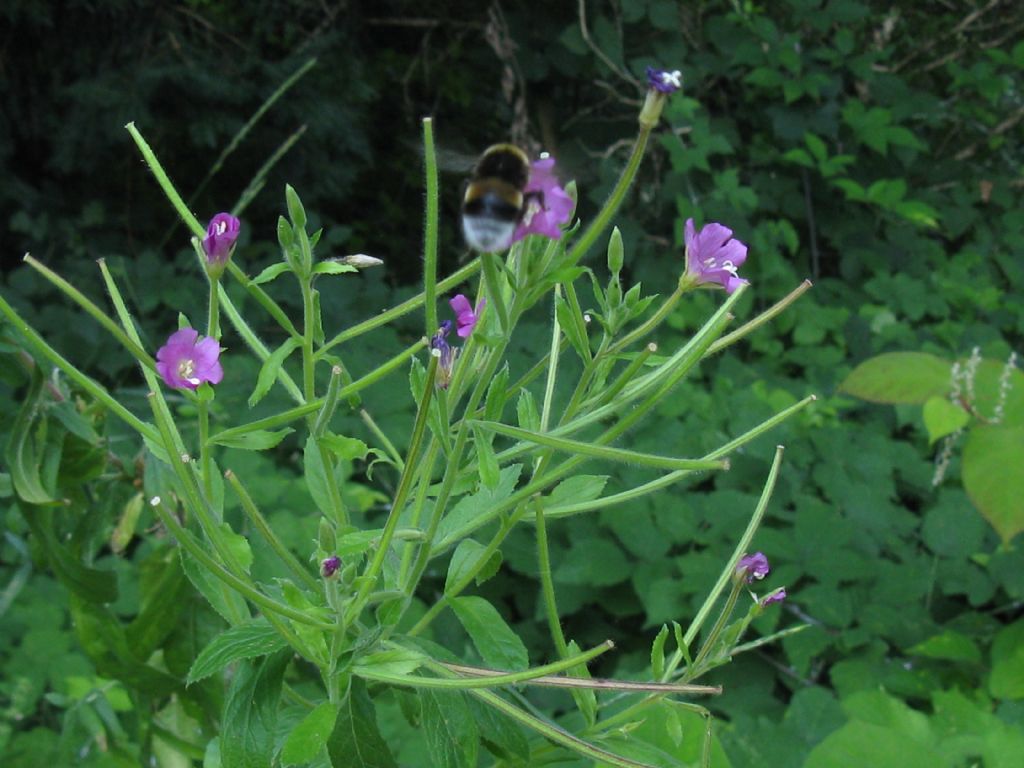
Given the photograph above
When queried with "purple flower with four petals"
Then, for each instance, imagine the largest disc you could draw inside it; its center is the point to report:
(713, 256)
(548, 205)
(185, 362)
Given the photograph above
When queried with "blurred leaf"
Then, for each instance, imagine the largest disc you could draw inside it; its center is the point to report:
(992, 459)
(899, 377)
(1006, 680)
(22, 454)
(943, 417)
(310, 736)
(257, 440)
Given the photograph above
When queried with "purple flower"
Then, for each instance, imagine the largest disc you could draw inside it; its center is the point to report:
(713, 256)
(221, 234)
(663, 80)
(752, 567)
(184, 362)
(440, 347)
(465, 315)
(773, 597)
(548, 206)
(330, 566)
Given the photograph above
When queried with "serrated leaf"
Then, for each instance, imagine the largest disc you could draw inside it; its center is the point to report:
(90, 584)
(943, 417)
(257, 440)
(248, 640)
(355, 741)
(310, 735)
(497, 644)
(497, 393)
(993, 456)
(224, 600)
(315, 475)
(899, 377)
(271, 273)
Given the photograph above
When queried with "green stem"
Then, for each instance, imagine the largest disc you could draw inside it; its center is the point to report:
(761, 319)
(716, 629)
(261, 525)
(94, 311)
(430, 233)
(426, 472)
(257, 346)
(488, 678)
(369, 578)
(386, 444)
(165, 183)
(263, 299)
(308, 325)
(553, 358)
(604, 216)
(547, 583)
(627, 375)
(213, 318)
(404, 308)
(95, 390)
(205, 449)
(330, 403)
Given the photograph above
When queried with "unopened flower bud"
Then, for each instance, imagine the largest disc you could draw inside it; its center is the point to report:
(361, 261)
(329, 566)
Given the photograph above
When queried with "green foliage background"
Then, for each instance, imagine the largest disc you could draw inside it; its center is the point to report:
(873, 148)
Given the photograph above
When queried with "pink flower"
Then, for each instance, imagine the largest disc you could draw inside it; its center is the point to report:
(221, 234)
(548, 206)
(465, 315)
(752, 567)
(712, 256)
(184, 362)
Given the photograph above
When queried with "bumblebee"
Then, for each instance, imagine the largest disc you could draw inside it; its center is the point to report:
(495, 198)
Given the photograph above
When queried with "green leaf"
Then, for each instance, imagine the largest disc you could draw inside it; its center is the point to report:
(585, 698)
(23, 458)
(90, 584)
(465, 560)
(949, 645)
(346, 448)
(579, 488)
(269, 369)
(310, 735)
(248, 640)
(487, 463)
(497, 393)
(250, 713)
(224, 600)
(1006, 681)
(272, 272)
(478, 505)
(526, 411)
(658, 652)
(316, 477)
(165, 594)
(257, 440)
(899, 377)
(395, 661)
(943, 417)
(452, 735)
(992, 461)
(501, 735)
(497, 644)
(355, 741)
